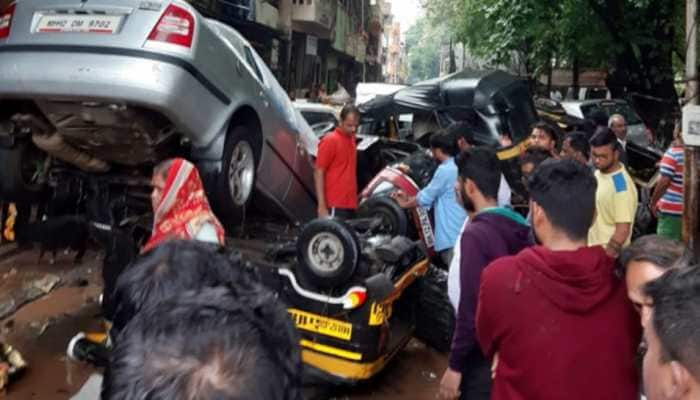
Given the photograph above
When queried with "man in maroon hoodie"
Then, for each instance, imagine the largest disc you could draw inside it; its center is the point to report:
(555, 316)
(492, 233)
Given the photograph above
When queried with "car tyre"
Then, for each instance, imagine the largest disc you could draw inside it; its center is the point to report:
(394, 218)
(328, 252)
(435, 316)
(236, 182)
(18, 172)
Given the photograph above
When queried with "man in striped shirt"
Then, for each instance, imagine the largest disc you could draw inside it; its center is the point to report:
(667, 201)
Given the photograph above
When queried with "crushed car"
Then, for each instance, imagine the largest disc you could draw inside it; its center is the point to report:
(492, 103)
(132, 83)
(351, 291)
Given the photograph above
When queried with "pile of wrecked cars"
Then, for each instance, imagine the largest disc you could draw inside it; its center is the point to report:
(133, 83)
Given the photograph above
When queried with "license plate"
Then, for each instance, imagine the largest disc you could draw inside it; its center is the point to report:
(317, 324)
(71, 23)
(426, 228)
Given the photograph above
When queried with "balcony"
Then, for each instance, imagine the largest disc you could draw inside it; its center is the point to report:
(314, 16)
(266, 14)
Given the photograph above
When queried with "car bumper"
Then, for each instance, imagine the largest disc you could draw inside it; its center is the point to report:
(163, 83)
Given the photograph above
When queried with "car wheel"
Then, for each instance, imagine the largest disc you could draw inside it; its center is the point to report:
(20, 169)
(435, 316)
(328, 252)
(394, 218)
(238, 173)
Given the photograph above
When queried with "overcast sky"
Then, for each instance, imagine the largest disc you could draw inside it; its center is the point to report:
(405, 12)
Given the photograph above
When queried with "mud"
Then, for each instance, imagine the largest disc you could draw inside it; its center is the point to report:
(42, 328)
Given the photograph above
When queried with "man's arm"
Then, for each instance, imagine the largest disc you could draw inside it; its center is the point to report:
(324, 159)
(489, 312)
(319, 180)
(618, 239)
(659, 190)
(667, 169)
(470, 269)
(429, 194)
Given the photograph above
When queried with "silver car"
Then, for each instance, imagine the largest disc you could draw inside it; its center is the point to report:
(111, 87)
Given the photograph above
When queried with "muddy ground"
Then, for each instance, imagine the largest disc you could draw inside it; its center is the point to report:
(42, 306)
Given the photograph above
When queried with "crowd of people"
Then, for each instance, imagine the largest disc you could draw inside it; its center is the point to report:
(556, 304)
(545, 305)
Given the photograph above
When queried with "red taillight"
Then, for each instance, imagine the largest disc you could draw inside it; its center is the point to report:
(6, 20)
(176, 26)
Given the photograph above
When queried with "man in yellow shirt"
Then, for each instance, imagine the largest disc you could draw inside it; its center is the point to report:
(616, 196)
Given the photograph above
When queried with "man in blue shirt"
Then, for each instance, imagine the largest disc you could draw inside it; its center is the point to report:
(440, 195)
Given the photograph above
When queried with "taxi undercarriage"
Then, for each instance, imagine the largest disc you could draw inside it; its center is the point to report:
(351, 290)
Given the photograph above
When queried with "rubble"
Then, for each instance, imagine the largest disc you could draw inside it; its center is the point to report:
(47, 283)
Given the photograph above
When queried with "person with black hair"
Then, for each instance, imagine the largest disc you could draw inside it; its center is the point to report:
(576, 147)
(168, 270)
(531, 159)
(645, 260)
(544, 136)
(616, 198)
(464, 140)
(224, 343)
(556, 315)
(492, 232)
(672, 359)
(335, 174)
(439, 194)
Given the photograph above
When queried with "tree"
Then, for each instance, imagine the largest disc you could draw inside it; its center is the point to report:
(636, 40)
(423, 49)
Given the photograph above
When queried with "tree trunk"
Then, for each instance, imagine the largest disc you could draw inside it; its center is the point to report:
(575, 79)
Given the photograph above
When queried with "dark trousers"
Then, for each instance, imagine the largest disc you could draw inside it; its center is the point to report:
(341, 213)
(476, 378)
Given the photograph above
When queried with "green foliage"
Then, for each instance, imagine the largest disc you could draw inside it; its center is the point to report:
(637, 37)
(423, 41)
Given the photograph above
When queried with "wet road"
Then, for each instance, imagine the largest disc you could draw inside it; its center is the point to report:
(42, 328)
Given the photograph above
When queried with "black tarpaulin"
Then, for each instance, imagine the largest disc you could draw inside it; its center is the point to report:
(464, 89)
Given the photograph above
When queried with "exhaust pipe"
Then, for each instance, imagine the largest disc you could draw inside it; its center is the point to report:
(46, 138)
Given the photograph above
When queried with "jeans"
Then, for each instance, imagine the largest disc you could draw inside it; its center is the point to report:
(476, 378)
(341, 213)
(446, 256)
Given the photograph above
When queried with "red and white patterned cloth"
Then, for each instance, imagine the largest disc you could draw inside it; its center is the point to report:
(183, 209)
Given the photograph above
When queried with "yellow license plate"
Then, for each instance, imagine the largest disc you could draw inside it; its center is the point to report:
(318, 324)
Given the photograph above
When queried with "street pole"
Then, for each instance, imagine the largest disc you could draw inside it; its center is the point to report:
(364, 63)
(691, 189)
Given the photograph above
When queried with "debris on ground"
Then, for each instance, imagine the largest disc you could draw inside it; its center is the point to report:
(47, 283)
(12, 365)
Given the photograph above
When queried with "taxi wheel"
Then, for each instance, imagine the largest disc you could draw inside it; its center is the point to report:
(328, 252)
(394, 218)
(435, 316)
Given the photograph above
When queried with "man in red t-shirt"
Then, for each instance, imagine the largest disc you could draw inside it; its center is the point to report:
(336, 168)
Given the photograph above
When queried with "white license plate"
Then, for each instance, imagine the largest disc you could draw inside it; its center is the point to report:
(107, 24)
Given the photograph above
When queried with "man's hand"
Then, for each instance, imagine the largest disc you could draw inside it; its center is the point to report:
(653, 210)
(322, 212)
(449, 385)
(505, 141)
(613, 248)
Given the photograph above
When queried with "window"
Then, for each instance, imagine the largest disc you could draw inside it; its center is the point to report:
(251, 61)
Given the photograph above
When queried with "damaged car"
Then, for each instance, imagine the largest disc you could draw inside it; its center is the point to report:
(132, 83)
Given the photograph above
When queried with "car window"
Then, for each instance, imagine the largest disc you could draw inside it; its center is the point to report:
(611, 108)
(314, 117)
(251, 62)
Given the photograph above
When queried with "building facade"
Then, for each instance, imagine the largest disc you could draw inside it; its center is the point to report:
(309, 44)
